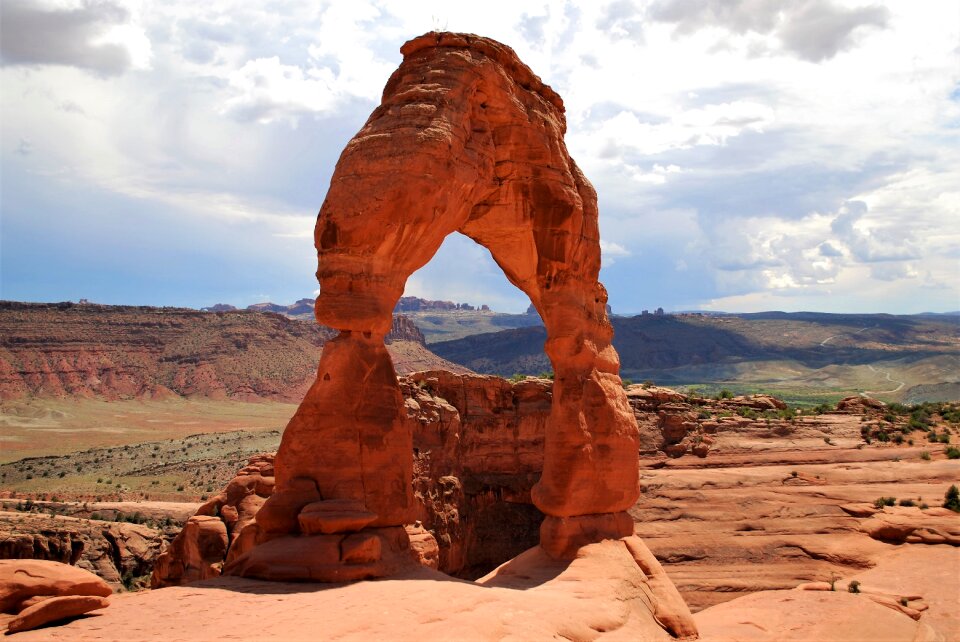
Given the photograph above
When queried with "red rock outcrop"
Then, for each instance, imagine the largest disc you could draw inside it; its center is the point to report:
(39, 592)
(465, 139)
(55, 609)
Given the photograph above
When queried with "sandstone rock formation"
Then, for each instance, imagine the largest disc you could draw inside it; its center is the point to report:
(39, 591)
(55, 609)
(466, 139)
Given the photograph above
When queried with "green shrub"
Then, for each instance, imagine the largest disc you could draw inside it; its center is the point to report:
(952, 452)
(925, 456)
(907, 502)
(725, 394)
(944, 437)
(788, 414)
(951, 499)
(932, 436)
(880, 502)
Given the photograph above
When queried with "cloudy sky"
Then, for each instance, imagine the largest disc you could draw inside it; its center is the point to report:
(749, 154)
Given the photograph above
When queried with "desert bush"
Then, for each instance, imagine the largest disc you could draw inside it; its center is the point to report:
(906, 502)
(787, 413)
(944, 437)
(898, 409)
(880, 502)
(932, 436)
(951, 499)
(925, 456)
(853, 586)
(724, 394)
(952, 452)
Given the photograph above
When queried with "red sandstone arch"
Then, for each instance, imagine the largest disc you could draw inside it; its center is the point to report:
(466, 139)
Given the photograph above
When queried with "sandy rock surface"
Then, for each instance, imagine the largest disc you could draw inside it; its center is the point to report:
(910, 596)
(601, 594)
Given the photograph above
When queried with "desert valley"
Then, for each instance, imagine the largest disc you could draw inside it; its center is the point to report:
(373, 463)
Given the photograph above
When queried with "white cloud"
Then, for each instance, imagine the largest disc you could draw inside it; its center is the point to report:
(267, 90)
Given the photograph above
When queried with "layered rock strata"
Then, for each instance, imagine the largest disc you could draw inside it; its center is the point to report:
(465, 139)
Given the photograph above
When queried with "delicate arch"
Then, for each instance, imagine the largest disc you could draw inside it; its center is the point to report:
(465, 139)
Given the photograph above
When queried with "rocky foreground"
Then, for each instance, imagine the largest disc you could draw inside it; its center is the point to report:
(743, 499)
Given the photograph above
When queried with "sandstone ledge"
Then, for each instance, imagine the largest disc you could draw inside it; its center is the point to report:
(603, 593)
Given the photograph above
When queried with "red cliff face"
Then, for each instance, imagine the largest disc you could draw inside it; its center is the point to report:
(126, 352)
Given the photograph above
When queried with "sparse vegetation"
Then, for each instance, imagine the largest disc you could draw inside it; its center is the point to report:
(880, 502)
(925, 456)
(951, 499)
(952, 452)
(853, 586)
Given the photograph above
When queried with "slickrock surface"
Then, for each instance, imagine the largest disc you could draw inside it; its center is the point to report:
(910, 595)
(736, 523)
(603, 594)
(127, 352)
(467, 139)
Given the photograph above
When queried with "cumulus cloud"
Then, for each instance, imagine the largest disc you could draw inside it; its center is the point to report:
(819, 30)
(813, 30)
(871, 245)
(611, 251)
(267, 90)
(91, 36)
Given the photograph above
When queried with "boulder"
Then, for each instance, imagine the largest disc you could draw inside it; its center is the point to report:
(55, 609)
(24, 579)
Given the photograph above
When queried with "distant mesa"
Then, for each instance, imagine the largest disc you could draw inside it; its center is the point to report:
(416, 304)
(304, 307)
